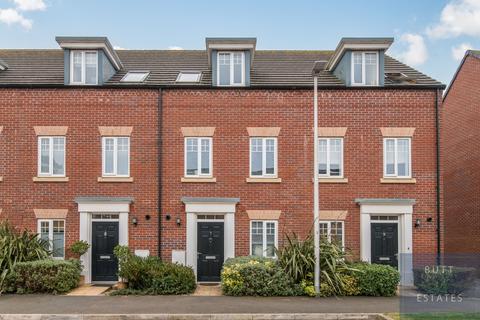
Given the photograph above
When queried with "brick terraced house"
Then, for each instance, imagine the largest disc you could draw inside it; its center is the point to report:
(202, 155)
(461, 161)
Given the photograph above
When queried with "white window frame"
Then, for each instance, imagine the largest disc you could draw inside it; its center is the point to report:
(50, 164)
(264, 236)
(199, 157)
(395, 174)
(329, 139)
(264, 158)
(115, 157)
(363, 83)
(329, 229)
(232, 76)
(82, 82)
(50, 234)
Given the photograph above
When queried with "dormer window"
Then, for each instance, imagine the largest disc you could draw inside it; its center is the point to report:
(84, 67)
(231, 68)
(365, 68)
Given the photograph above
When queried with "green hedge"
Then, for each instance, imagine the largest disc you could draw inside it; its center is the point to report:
(45, 276)
(253, 276)
(152, 276)
(376, 279)
(443, 279)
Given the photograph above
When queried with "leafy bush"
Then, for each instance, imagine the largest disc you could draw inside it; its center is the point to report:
(17, 247)
(252, 276)
(79, 248)
(152, 276)
(45, 276)
(298, 260)
(376, 279)
(443, 279)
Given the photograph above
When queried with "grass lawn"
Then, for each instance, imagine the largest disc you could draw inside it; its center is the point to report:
(428, 316)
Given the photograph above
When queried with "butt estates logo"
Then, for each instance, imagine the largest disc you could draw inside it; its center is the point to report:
(439, 298)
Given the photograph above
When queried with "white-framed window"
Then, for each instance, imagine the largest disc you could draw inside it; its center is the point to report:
(263, 238)
(364, 68)
(330, 157)
(333, 231)
(263, 157)
(231, 68)
(397, 159)
(116, 156)
(198, 157)
(51, 156)
(83, 67)
(53, 231)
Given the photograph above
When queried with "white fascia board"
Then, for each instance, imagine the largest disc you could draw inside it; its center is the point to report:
(354, 46)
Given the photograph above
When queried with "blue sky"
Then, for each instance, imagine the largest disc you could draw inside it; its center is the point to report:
(430, 35)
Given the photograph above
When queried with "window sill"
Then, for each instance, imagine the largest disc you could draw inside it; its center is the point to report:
(115, 179)
(198, 180)
(398, 180)
(264, 180)
(50, 179)
(332, 180)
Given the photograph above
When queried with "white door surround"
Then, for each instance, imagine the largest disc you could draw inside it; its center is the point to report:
(87, 206)
(403, 208)
(194, 206)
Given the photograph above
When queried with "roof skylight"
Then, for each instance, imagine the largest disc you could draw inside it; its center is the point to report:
(189, 76)
(135, 76)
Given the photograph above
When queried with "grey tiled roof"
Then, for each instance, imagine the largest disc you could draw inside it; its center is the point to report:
(271, 68)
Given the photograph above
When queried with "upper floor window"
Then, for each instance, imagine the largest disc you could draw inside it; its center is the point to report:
(231, 68)
(51, 156)
(330, 157)
(116, 156)
(263, 238)
(198, 157)
(263, 157)
(365, 68)
(332, 231)
(397, 157)
(84, 67)
(53, 232)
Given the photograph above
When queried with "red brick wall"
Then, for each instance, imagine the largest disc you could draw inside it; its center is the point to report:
(362, 111)
(461, 154)
(82, 110)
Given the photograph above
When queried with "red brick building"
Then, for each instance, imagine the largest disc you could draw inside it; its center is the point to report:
(461, 158)
(201, 155)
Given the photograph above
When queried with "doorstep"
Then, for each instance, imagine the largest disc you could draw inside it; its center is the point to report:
(89, 290)
(208, 290)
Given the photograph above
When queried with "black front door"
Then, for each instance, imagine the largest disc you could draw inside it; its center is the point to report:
(210, 251)
(385, 243)
(104, 239)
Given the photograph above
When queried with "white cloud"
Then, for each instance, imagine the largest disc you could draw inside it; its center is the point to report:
(416, 52)
(459, 51)
(458, 17)
(30, 5)
(175, 48)
(11, 16)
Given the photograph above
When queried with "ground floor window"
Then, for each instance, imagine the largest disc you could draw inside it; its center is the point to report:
(333, 231)
(263, 238)
(53, 231)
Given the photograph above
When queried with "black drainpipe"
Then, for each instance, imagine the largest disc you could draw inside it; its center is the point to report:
(159, 163)
(437, 138)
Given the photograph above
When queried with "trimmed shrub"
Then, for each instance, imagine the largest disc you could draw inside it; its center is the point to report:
(16, 246)
(46, 276)
(443, 279)
(151, 276)
(376, 279)
(252, 276)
